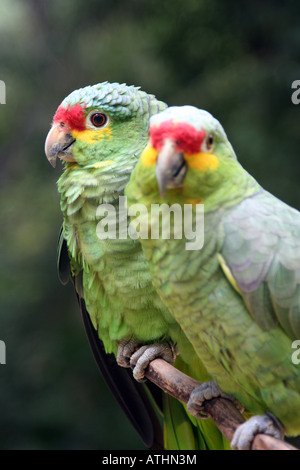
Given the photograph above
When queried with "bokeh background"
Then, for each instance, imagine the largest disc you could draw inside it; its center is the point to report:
(235, 59)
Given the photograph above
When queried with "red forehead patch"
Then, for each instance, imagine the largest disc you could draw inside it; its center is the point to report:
(186, 137)
(72, 115)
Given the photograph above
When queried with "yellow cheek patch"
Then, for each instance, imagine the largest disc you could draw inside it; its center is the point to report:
(149, 156)
(202, 161)
(91, 136)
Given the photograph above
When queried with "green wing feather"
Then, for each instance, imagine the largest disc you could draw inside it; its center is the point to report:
(130, 395)
(261, 248)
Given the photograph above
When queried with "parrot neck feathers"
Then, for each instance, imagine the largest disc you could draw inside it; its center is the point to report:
(231, 192)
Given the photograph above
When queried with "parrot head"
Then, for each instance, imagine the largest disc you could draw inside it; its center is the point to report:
(188, 154)
(86, 127)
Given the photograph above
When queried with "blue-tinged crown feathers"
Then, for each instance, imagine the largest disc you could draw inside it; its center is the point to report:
(116, 98)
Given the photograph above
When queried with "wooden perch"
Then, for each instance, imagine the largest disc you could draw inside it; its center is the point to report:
(222, 411)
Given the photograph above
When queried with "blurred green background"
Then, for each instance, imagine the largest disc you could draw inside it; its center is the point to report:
(235, 59)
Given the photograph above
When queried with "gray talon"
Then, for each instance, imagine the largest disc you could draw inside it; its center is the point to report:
(207, 391)
(126, 348)
(145, 354)
(260, 424)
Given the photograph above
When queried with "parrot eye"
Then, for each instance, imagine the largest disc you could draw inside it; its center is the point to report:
(98, 119)
(209, 142)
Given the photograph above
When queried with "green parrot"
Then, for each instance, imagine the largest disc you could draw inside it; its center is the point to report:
(99, 132)
(229, 272)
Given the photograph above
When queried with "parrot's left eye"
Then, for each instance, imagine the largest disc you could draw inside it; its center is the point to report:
(98, 119)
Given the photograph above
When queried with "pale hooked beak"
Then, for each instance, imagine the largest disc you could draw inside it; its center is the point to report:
(170, 167)
(59, 143)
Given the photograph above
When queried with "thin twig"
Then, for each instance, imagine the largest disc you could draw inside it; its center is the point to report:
(222, 411)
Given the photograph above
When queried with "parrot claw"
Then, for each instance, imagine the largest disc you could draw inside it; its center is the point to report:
(260, 424)
(145, 354)
(207, 391)
(126, 348)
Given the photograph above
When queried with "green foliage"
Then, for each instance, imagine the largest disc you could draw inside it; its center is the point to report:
(236, 59)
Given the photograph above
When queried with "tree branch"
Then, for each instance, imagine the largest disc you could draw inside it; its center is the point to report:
(222, 411)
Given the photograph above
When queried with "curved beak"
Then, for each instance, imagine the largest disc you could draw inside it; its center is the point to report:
(170, 167)
(59, 143)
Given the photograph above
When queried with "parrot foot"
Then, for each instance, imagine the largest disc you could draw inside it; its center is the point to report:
(207, 391)
(145, 354)
(260, 424)
(126, 348)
